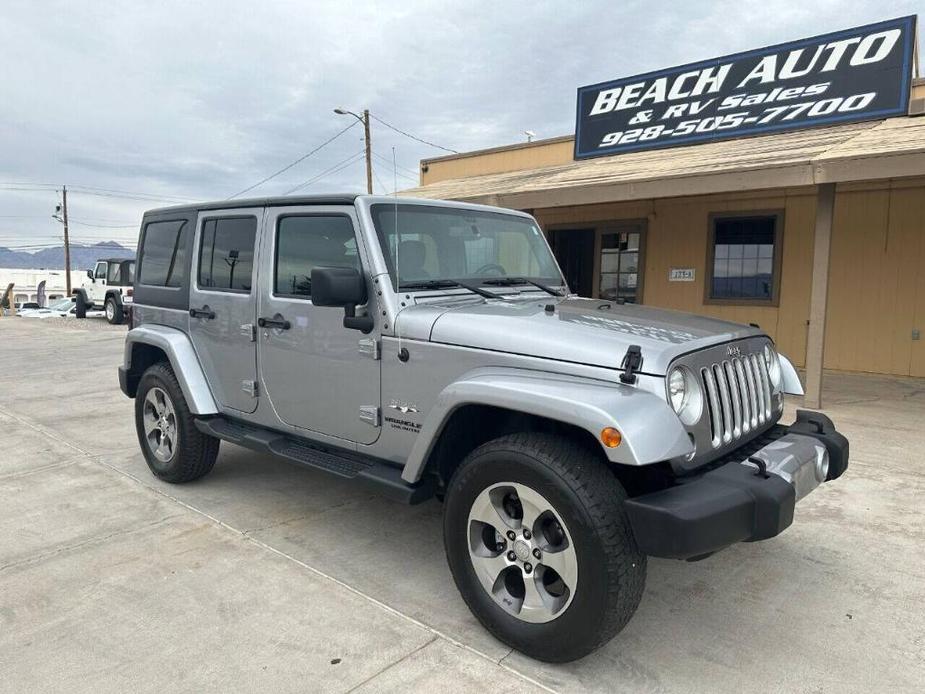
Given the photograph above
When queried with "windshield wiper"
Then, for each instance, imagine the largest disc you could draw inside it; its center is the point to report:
(509, 281)
(446, 284)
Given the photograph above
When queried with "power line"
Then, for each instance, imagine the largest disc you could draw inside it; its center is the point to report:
(297, 161)
(413, 137)
(339, 166)
(143, 197)
(412, 175)
(105, 226)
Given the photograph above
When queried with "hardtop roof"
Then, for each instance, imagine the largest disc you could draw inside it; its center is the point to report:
(278, 200)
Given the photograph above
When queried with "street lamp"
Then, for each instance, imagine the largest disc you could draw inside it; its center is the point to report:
(364, 119)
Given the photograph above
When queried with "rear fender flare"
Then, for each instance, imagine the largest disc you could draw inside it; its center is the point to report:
(183, 360)
(651, 431)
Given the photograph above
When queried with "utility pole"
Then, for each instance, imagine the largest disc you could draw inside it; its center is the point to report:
(364, 119)
(67, 243)
(369, 153)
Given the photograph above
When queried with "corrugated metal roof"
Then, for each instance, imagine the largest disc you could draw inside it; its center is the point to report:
(859, 151)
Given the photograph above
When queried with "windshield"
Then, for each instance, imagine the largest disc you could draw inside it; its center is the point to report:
(60, 304)
(424, 243)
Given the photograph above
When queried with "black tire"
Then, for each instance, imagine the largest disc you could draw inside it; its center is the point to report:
(117, 313)
(194, 453)
(81, 311)
(589, 499)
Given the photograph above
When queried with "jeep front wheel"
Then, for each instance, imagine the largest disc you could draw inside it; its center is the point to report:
(540, 547)
(175, 450)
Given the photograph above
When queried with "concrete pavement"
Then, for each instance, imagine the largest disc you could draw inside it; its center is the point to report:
(267, 576)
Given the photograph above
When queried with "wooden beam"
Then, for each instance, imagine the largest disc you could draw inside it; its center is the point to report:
(818, 300)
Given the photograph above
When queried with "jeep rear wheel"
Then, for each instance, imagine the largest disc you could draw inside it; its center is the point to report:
(539, 545)
(175, 450)
(113, 310)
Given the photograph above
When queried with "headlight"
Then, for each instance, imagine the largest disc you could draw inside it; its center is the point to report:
(685, 395)
(773, 365)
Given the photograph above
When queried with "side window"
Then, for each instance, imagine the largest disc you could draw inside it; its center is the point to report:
(306, 242)
(113, 276)
(100, 272)
(163, 254)
(226, 253)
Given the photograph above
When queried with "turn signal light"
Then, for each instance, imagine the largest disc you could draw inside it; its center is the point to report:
(611, 437)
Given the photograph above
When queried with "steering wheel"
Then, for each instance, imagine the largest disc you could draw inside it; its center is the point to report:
(492, 268)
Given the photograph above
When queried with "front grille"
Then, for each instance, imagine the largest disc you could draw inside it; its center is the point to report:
(738, 397)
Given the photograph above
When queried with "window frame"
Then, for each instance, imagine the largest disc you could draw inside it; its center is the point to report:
(777, 262)
(96, 268)
(198, 249)
(273, 269)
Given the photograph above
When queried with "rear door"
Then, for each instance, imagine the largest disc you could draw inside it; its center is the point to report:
(223, 304)
(319, 375)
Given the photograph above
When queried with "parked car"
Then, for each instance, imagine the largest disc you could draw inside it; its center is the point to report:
(433, 349)
(62, 308)
(108, 287)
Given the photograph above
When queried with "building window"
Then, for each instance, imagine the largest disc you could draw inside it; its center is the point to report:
(226, 253)
(744, 258)
(620, 264)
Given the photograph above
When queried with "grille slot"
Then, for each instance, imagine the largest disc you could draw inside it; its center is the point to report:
(738, 397)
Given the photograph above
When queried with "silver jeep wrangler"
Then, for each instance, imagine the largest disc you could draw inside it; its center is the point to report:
(433, 349)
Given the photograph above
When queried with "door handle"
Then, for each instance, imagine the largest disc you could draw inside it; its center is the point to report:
(274, 322)
(204, 312)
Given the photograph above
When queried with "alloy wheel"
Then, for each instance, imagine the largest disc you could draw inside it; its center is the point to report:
(160, 424)
(522, 552)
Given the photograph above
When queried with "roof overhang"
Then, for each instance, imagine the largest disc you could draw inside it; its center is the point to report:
(876, 150)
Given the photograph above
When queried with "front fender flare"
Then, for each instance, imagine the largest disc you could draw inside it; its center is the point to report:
(789, 379)
(651, 431)
(183, 360)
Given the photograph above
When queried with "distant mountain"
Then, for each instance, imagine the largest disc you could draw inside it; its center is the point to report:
(82, 257)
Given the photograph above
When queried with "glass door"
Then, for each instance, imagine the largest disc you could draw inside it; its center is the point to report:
(621, 262)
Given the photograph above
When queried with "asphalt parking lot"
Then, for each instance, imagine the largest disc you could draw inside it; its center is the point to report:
(266, 576)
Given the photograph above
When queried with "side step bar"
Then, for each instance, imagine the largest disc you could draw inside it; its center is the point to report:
(343, 463)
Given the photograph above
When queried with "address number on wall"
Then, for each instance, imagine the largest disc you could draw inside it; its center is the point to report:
(681, 274)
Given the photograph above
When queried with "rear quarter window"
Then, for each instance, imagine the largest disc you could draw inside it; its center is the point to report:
(162, 256)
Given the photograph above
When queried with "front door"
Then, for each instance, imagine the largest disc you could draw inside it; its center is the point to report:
(98, 287)
(318, 375)
(574, 251)
(223, 303)
(622, 247)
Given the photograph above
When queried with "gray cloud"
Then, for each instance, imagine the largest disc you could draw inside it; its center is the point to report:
(200, 100)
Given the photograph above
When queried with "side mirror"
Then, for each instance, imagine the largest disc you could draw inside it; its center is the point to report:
(90, 274)
(343, 287)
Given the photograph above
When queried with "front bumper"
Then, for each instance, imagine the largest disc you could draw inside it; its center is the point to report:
(749, 496)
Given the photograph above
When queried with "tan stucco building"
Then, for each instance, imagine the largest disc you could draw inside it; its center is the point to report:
(833, 219)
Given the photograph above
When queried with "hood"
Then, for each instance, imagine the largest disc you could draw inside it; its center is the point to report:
(596, 332)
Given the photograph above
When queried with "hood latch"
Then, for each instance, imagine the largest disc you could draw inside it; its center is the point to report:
(632, 362)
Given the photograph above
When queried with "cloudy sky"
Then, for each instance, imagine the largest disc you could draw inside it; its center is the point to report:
(136, 104)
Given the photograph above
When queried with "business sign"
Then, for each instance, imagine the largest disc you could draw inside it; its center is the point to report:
(854, 75)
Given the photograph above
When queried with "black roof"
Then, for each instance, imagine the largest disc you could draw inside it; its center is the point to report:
(276, 201)
(123, 259)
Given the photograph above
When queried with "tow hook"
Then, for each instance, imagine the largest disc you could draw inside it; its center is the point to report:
(762, 470)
